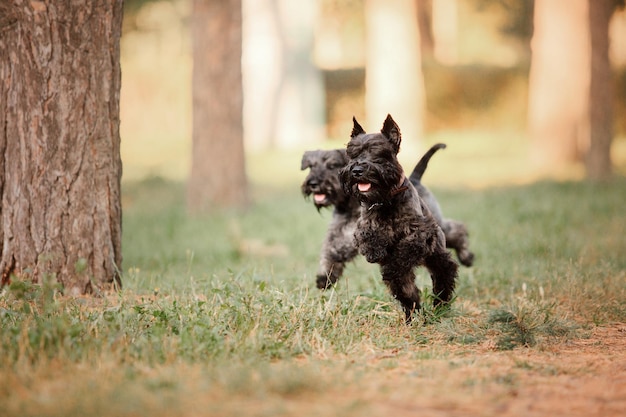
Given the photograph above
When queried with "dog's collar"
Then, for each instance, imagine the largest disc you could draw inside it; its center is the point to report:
(402, 186)
(374, 205)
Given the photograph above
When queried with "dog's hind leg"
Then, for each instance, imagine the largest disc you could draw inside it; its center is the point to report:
(443, 272)
(457, 238)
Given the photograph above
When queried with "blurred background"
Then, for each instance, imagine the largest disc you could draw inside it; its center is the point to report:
(455, 71)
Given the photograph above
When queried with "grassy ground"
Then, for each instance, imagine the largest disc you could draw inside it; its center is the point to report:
(219, 315)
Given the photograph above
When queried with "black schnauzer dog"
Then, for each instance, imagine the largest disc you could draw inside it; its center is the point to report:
(323, 184)
(396, 229)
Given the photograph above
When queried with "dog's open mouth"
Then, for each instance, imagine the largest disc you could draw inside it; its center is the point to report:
(364, 186)
(319, 198)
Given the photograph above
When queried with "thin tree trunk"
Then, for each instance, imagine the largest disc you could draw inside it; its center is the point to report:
(394, 82)
(445, 29)
(598, 160)
(60, 166)
(425, 23)
(558, 102)
(218, 177)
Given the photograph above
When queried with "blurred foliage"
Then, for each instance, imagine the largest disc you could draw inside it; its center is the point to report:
(132, 6)
(518, 16)
(136, 20)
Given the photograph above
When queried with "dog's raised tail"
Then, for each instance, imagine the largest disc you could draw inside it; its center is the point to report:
(421, 166)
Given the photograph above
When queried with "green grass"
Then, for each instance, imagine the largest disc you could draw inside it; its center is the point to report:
(224, 305)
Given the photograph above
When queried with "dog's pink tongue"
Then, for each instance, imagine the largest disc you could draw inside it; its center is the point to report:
(319, 197)
(364, 187)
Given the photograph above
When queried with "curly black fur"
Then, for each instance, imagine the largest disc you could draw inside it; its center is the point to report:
(396, 228)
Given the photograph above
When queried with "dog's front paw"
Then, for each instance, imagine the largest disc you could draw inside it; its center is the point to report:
(324, 282)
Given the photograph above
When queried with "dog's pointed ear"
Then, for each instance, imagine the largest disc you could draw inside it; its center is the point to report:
(392, 132)
(357, 129)
(306, 160)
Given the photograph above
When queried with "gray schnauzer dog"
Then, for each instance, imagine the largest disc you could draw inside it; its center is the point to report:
(323, 184)
(339, 248)
(396, 229)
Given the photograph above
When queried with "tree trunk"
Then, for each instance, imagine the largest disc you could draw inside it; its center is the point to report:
(558, 102)
(425, 24)
(218, 177)
(394, 82)
(445, 29)
(598, 159)
(60, 168)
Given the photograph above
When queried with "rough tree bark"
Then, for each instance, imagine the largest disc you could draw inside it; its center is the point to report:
(218, 177)
(60, 167)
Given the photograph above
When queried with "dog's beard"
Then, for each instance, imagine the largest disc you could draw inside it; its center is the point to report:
(364, 187)
(324, 195)
(369, 192)
(371, 188)
(320, 198)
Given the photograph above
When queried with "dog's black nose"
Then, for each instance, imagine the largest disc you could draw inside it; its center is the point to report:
(357, 170)
(312, 183)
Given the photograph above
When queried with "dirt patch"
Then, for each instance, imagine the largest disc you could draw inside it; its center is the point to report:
(582, 377)
(585, 377)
